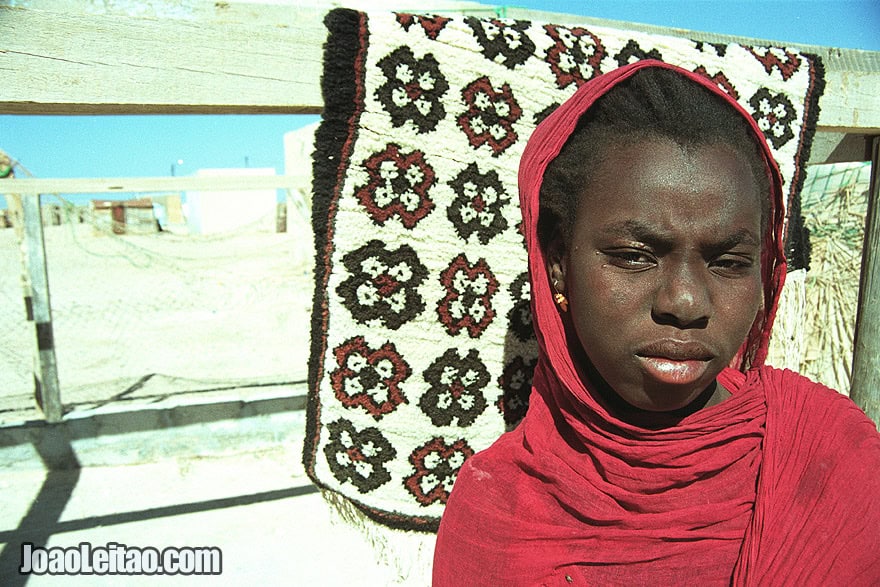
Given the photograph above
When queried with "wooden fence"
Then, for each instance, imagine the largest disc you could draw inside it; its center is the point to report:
(71, 57)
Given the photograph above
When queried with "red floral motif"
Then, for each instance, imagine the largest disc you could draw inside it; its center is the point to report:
(720, 80)
(436, 466)
(575, 55)
(431, 24)
(776, 57)
(490, 115)
(369, 378)
(468, 300)
(399, 184)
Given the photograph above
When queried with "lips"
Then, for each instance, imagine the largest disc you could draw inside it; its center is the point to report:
(675, 362)
(675, 350)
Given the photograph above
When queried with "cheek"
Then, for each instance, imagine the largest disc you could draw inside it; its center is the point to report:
(743, 303)
(603, 298)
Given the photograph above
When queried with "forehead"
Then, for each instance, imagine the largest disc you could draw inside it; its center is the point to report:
(672, 186)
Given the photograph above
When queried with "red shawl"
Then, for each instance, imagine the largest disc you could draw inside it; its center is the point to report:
(778, 484)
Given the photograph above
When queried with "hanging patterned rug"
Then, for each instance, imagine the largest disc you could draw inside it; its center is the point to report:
(422, 346)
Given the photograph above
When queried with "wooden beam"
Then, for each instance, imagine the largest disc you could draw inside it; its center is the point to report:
(248, 57)
(865, 389)
(46, 368)
(78, 63)
(832, 147)
(153, 184)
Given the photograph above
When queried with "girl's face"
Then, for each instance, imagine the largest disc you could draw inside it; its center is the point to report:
(663, 271)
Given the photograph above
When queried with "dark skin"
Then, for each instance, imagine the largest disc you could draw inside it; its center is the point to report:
(662, 274)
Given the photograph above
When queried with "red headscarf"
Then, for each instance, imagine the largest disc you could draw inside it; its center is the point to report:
(777, 484)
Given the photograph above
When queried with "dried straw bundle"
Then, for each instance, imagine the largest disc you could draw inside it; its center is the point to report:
(820, 328)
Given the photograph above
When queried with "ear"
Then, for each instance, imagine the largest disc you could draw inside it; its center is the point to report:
(557, 262)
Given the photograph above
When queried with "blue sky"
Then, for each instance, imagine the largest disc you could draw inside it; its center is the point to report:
(125, 146)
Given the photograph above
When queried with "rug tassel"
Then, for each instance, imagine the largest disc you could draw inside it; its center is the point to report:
(405, 557)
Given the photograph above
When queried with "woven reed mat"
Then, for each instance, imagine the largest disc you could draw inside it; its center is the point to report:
(422, 347)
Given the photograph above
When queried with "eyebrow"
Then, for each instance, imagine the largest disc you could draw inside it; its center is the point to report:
(742, 236)
(651, 234)
(633, 228)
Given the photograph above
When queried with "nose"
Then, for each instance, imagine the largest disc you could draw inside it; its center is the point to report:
(682, 298)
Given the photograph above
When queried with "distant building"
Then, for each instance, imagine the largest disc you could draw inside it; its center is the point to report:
(298, 147)
(224, 211)
(123, 216)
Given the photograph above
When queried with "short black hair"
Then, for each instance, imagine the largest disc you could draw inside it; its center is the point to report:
(654, 103)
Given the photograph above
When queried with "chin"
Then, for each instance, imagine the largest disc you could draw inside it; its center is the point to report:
(671, 399)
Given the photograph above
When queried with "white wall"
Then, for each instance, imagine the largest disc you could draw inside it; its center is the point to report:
(224, 211)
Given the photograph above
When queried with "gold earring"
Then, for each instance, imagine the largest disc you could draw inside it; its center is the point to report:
(560, 299)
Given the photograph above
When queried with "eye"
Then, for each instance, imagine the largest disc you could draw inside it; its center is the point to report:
(732, 265)
(632, 259)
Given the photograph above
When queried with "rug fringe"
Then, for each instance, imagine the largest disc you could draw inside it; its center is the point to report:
(405, 556)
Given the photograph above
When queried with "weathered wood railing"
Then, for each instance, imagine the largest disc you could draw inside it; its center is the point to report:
(70, 57)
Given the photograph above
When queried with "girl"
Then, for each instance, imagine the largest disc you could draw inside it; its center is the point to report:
(658, 449)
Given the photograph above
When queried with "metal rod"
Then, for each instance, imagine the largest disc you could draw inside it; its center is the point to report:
(865, 389)
(46, 370)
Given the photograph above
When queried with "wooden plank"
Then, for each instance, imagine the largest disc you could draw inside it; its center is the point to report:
(78, 63)
(865, 389)
(46, 369)
(224, 57)
(833, 147)
(155, 184)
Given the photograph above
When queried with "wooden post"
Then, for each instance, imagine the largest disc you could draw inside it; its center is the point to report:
(46, 370)
(866, 355)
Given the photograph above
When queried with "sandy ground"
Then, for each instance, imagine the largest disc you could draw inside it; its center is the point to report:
(161, 323)
(257, 507)
(139, 315)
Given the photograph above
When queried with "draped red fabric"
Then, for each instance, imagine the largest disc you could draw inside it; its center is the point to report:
(779, 484)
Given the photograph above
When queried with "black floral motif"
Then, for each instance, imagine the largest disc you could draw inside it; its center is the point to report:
(519, 318)
(632, 52)
(516, 385)
(522, 233)
(369, 378)
(786, 62)
(503, 41)
(539, 117)
(383, 285)
(468, 300)
(436, 466)
(719, 48)
(774, 115)
(720, 80)
(399, 184)
(490, 115)
(358, 456)
(431, 24)
(413, 89)
(456, 389)
(575, 55)
(477, 208)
